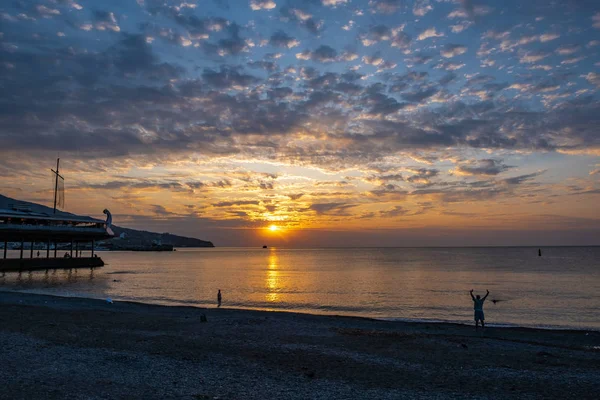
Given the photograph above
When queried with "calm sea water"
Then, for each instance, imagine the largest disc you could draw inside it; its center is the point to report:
(559, 289)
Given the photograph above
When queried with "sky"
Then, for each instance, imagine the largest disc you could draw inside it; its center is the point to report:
(340, 122)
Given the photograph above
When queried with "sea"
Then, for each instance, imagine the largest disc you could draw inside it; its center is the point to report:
(560, 289)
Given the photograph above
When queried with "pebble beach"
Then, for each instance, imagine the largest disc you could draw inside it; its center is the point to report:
(76, 348)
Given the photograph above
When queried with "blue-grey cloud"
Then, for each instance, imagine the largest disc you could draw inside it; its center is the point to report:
(486, 167)
(281, 39)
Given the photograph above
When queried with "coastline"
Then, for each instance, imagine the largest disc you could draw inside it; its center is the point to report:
(330, 313)
(81, 347)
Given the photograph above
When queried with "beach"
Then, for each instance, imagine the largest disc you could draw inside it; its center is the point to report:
(77, 348)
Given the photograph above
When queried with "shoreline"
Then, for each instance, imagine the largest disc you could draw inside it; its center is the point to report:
(74, 347)
(501, 325)
(35, 299)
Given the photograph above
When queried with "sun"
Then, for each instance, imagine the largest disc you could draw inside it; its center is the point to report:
(273, 228)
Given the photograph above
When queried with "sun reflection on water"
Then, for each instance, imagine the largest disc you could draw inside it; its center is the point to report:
(272, 281)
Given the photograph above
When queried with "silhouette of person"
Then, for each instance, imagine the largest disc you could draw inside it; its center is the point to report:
(38, 254)
(219, 298)
(478, 306)
(539, 252)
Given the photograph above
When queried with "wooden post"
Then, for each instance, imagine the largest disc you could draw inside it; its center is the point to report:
(71, 248)
(55, 248)
(93, 242)
(76, 249)
(22, 245)
(48, 249)
(31, 251)
(5, 246)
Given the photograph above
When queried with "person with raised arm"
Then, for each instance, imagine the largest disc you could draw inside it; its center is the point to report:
(478, 306)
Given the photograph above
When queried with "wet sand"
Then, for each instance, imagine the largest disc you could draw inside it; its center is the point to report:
(73, 348)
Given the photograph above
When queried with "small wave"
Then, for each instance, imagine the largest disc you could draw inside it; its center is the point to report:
(125, 272)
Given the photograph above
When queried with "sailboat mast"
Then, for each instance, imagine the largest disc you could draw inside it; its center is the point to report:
(56, 184)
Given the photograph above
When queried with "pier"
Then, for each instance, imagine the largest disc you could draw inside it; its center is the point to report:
(63, 238)
(28, 223)
(33, 264)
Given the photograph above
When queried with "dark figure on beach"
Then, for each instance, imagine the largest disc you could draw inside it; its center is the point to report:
(38, 254)
(478, 305)
(539, 252)
(219, 298)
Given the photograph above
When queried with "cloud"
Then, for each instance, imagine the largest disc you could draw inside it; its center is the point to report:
(262, 5)
(234, 44)
(160, 210)
(348, 26)
(596, 20)
(422, 176)
(469, 10)
(593, 78)
(136, 184)
(379, 33)
(546, 37)
(236, 203)
(47, 12)
(265, 65)
(228, 78)
(385, 6)
(396, 211)
(104, 20)
(421, 7)
(517, 180)
(201, 28)
(453, 50)
(376, 34)
(333, 3)
(449, 66)
(568, 49)
(532, 56)
(323, 54)
(196, 104)
(339, 209)
(281, 39)
(302, 18)
(419, 58)
(374, 60)
(507, 45)
(133, 55)
(460, 26)
(429, 33)
(458, 14)
(222, 106)
(381, 104)
(419, 95)
(497, 35)
(280, 92)
(486, 167)
(572, 60)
